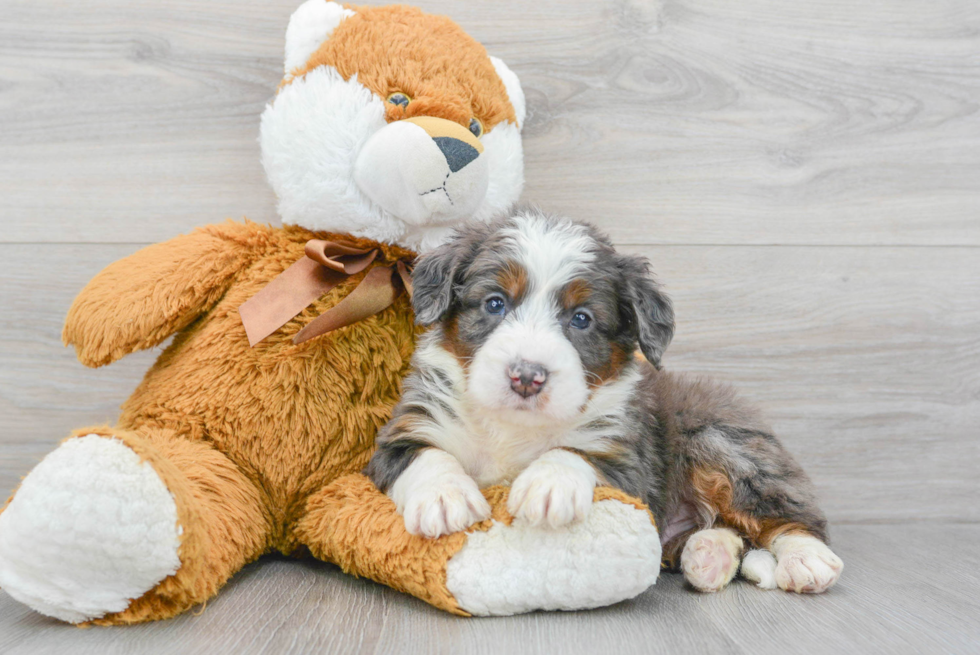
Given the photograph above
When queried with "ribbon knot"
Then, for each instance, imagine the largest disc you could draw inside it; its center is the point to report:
(326, 264)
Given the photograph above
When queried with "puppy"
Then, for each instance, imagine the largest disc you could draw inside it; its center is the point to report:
(528, 378)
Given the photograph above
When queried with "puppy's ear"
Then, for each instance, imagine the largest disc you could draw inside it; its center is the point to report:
(648, 307)
(434, 277)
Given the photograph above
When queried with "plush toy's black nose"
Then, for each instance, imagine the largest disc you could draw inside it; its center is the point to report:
(527, 378)
(458, 154)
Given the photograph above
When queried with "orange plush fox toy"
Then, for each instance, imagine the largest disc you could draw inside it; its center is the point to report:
(249, 433)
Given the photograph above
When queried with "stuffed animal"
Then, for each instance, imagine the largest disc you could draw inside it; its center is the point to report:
(249, 432)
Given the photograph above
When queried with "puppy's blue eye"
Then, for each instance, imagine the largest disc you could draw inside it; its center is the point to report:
(580, 321)
(496, 305)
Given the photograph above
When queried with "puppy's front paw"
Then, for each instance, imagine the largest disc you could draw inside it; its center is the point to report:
(450, 504)
(805, 564)
(555, 489)
(436, 497)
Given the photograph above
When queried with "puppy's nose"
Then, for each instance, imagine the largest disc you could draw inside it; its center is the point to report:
(527, 378)
(457, 153)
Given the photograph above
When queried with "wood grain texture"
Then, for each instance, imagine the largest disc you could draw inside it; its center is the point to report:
(866, 360)
(886, 602)
(685, 122)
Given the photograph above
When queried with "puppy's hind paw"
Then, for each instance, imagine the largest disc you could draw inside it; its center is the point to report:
(759, 566)
(805, 564)
(710, 558)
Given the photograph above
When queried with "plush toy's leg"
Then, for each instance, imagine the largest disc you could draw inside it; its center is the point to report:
(498, 567)
(121, 527)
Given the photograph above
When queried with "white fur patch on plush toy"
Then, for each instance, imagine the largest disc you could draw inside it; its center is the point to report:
(613, 555)
(100, 529)
(513, 85)
(311, 136)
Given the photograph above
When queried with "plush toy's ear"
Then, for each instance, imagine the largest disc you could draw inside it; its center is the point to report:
(513, 86)
(309, 27)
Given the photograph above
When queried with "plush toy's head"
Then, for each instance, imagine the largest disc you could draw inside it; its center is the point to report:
(391, 124)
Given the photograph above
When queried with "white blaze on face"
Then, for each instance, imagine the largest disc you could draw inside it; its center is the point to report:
(553, 255)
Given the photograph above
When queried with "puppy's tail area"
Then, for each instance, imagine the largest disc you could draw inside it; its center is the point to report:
(759, 566)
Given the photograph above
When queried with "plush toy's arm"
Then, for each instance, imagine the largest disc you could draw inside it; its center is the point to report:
(139, 301)
(500, 566)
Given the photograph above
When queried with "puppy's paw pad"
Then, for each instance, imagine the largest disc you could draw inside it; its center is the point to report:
(450, 504)
(806, 565)
(552, 493)
(710, 559)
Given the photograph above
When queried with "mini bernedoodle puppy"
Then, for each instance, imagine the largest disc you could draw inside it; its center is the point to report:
(528, 377)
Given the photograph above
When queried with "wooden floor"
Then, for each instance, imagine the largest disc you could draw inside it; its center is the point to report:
(888, 602)
(805, 177)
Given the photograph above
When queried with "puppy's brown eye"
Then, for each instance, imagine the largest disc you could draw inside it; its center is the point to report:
(476, 127)
(580, 321)
(399, 99)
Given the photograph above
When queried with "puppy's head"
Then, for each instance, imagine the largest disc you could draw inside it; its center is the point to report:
(540, 311)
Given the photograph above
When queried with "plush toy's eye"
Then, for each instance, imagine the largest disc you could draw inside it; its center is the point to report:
(580, 321)
(476, 127)
(399, 99)
(496, 305)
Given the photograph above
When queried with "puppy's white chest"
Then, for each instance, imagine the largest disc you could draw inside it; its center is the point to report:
(497, 456)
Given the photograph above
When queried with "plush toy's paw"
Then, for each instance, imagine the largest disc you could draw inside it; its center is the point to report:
(498, 567)
(90, 529)
(710, 558)
(555, 489)
(436, 497)
(610, 555)
(805, 564)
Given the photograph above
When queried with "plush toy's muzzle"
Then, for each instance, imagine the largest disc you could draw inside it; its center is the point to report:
(424, 170)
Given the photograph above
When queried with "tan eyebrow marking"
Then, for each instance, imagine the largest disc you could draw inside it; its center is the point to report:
(575, 293)
(514, 280)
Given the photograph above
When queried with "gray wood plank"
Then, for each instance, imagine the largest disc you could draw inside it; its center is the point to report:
(697, 121)
(866, 360)
(905, 589)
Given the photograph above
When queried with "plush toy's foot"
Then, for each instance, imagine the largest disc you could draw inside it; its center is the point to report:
(91, 528)
(501, 566)
(119, 527)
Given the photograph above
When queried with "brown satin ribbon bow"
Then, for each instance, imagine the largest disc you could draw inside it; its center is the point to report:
(326, 264)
